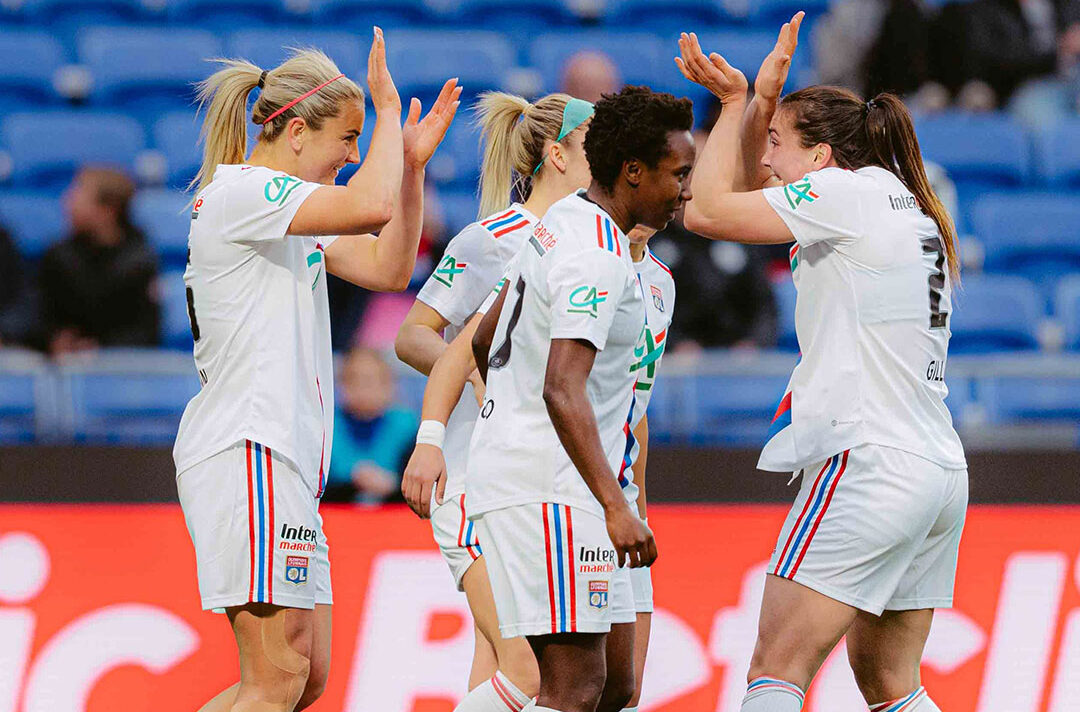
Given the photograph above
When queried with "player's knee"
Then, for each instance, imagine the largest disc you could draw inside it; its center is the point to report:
(314, 687)
(618, 691)
(519, 665)
(877, 681)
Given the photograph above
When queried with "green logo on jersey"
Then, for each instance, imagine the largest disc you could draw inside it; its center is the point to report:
(315, 258)
(282, 187)
(799, 192)
(448, 269)
(648, 353)
(586, 300)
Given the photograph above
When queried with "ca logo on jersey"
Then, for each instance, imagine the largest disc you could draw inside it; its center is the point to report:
(586, 300)
(315, 260)
(279, 188)
(799, 192)
(648, 351)
(448, 269)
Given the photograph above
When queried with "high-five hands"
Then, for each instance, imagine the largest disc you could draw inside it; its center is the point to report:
(774, 70)
(713, 72)
(423, 136)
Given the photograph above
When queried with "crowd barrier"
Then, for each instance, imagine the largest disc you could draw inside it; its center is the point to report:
(99, 612)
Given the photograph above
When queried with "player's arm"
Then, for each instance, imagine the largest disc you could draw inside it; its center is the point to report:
(716, 211)
(485, 334)
(641, 434)
(418, 341)
(568, 367)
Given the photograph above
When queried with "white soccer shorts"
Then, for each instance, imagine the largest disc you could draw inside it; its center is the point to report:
(455, 535)
(257, 531)
(876, 528)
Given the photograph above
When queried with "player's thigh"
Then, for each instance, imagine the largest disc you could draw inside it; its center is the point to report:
(642, 630)
(885, 652)
(619, 683)
(456, 536)
(573, 669)
(320, 646)
(511, 655)
(275, 645)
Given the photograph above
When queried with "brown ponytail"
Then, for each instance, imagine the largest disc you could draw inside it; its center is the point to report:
(875, 133)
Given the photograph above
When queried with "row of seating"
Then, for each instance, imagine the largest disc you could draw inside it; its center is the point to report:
(138, 397)
(361, 14)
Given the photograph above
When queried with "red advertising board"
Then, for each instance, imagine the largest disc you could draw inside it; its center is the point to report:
(99, 612)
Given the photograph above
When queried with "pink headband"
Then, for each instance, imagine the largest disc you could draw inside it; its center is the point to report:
(298, 99)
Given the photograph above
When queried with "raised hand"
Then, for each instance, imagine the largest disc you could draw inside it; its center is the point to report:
(422, 137)
(384, 95)
(713, 72)
(774, 70)
(426, 469)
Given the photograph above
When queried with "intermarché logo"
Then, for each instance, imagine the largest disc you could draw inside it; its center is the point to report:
(586, 300)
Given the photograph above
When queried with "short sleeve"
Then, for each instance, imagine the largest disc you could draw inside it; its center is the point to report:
(586, 289)
(261, 206)
(510, 274)
(824, 206)
(468, 270)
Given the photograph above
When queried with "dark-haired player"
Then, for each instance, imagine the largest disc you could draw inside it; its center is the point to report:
(542, 484)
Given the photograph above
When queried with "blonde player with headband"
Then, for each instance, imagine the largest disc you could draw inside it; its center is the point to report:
(254, 444)
(869, 548)
(535, 150)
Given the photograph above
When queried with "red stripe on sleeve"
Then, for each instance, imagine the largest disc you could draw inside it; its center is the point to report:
(599, 233)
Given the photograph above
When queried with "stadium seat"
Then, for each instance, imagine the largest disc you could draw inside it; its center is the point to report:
(68, 15)
(1067, 310)
(361, 15)
(959, 143)
(1059, 153)
(268, 48)
(224, 15)
(30, 59)
(1030, 398)
(459, 208)
(165, 218)
(457, 162)
(175, 323)
(785, 294)
(146, 70)
(47, 147)
(667, 16)
(995, 313)
(520, 18)
(422, 60)
(776, 12)
(733, 409)
(176, 136)
(129, 397)
(641, 57)
(36, 220)
(1033, 234)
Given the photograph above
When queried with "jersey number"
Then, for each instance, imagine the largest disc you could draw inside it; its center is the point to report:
(191, 314)
(932, 246)
(501, 356)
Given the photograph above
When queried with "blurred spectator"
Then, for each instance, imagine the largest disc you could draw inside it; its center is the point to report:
(589, 74)
(97, 285)
(372, 438)
(16, 312)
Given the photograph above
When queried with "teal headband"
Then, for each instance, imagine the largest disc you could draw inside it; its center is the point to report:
(575, 113)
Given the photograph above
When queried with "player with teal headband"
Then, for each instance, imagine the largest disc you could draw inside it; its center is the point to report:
(536, 152)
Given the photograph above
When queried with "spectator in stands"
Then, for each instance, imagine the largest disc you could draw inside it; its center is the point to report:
(589, 74)
(372, 437)
(98, 285)
(16, 314)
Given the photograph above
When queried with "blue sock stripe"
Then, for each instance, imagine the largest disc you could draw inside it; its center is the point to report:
(900, 703)
(761, 682)
(818, 499)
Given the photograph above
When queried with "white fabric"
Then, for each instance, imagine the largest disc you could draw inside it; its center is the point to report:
(871, 322)
(263, 352)
(472, 264)
(641, 584)
(495, 695)
(529, 545)
(456, 536)
(876, 528)
(234, 522)
(573, 279)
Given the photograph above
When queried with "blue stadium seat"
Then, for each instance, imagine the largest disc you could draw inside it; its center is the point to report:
(175, 323)
(223, 15)
(733, 409)
(1067, 310)
(27, 398)
(176, 135)
(777, 12)
(1034, 398)
(361, 15)
(68, 15)
(667, 16)
(785, 294)
(960, 142)
(268, 48)
(422, 60)
(1033, 234)
(129, 397)
(995, 313)
(641, 57)
(457, 161)
(521, 17)
(30, 59)
(165, 217)
(1059, 153)
(459, 208)
(146, 70)
(47, 147)
(36, 221)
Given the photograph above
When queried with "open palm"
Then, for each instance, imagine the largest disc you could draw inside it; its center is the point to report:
(774, 70)
(422, 136)
(713, 72)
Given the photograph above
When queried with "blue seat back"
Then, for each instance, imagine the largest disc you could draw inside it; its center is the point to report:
(36, 221)
(30, 59)
(165, 217)
(995, 313)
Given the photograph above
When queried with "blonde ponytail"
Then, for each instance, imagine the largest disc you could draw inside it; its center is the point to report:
(224, 130)
(515, 134)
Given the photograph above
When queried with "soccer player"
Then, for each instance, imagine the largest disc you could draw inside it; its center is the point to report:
(557, 350)
(253, 446)
(869, 547)
(535, 150)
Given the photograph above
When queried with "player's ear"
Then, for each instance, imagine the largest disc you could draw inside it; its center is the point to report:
(821, 156)
(295, 132)
(631, 171)
(557, 157)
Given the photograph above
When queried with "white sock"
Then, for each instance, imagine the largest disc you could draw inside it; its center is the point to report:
(495, 695)
(917, 701)
(767, 694)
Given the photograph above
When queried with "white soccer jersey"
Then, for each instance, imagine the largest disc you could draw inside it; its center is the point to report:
(261, 323)
(658, 291)
(573, 279)
(473, 263)
(872, 319)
